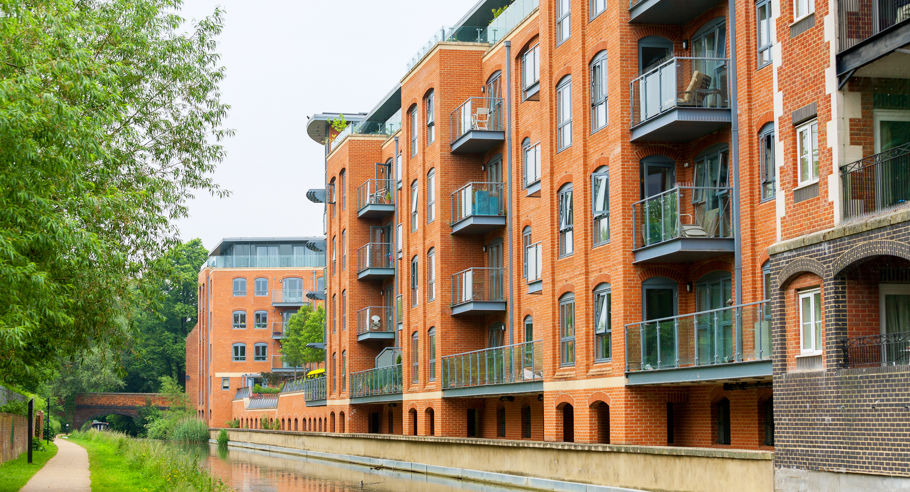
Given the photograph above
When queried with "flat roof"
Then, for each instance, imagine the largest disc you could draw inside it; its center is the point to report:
(282, 239)
(317, 125)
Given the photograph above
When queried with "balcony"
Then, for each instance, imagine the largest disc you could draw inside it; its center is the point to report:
(384, 128)
(478, 208)
(262, 402)
(377, 385)
(681, 100)
(318, 294)
(279, 365)
(314, 392)
(242, 393)
(277, 330)
(872, 31)
(288, 298)
(891, 349)
(477, 125)
(374, 262)
(683, 224)
(478, 291)
(534, 257)
(375, 323)
(374, 199)
(315, 245)
(667, 11)
(501, 370)
(720, 344)
(876, 183)
(316, 195)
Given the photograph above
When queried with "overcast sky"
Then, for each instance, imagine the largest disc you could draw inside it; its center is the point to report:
(286, 60)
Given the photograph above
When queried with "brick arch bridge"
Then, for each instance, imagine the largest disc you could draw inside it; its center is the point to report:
(91, 405)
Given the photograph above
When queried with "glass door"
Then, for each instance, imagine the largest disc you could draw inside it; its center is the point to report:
(894, 306)
(714, 330)
(660, 217)
(659, 338)
(709, 50)
(494, 274)
(657, 87)
(892, 129)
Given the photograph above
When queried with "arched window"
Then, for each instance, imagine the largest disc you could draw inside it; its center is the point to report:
(341, 422)
(344, 192)
(603, 331)
(239, 320)
(412, 129)
(659, 300)
(566, 221)
(261, 320)
(431, 354)
(292, 289)
(530, 72)
(334, 369)
(415, 282)
(331, 195)
(525, 243)
(415, 212)
(494, 85)
(334, 313)
(261, 287)
(767, 169)
(600, 204)
(344, 249)
(334, 253)
(412, 413)
(431, 195)
(564, 113)
(344, 370)
(599, 90)
(653, 51)
(431, 275)
(239, 354)
(429, 105)
(567, 330)
(239, 287)
(567, 412)
(261, 352)
(344, 310)
(429, 416)
(415, 359)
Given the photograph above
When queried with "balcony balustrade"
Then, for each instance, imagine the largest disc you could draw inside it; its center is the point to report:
(374, 199)
(377, 383)
(288, 297)
(478, 291)
(877, 182)
(478, 208)
(505, 365)
(375, 323)
(277, 330)
(477, 125)
(374, 261)
(314, 391)
(890, 349)
(262, 402)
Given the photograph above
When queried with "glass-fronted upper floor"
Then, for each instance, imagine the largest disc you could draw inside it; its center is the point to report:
(265, 253)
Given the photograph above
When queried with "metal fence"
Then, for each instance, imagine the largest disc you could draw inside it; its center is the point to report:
(478, 284)
(314, 389)
(259, 402)
(517, 363)
(877, 182)
(680, 82)
(242, 393)
(376, 382)
(473, 199)
(859, 20)
(892, 349)
(477, 113)
(682, 212)
(374, 255)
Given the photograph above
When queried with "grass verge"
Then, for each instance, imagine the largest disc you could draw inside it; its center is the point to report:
(14, 474)
(118, 462)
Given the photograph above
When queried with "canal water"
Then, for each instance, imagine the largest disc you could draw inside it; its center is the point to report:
(260, 471)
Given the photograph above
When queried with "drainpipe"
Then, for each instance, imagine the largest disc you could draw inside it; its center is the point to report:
(734, 158)
(393, 248)
(509, 217)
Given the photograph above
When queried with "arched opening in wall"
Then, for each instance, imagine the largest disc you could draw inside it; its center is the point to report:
(567, 414)
(412, 414)
(373, 423)
(430, 423)
(766, 421)
(526, 422)
(600, 422)
(322, 424)
(391, 420)
(473, 422)
(341, 422)
(281, 426)
(304, 425)
(720, 415)
(296, 428)
(501, 422)
(332, 422)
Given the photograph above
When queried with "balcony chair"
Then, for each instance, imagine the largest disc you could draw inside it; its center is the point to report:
(375, 323)
(480, 120)
(697, 90)
(703, 226)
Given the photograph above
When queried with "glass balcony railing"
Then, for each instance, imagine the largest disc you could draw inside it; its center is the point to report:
(509, 19)
(388, 127)
(478, 285)
(534, 256)
(374, 255)
(288, 296)
(473, 199)
(859, 20)
(306, 259)
(877, 182)
(704, 338)
(374, 192)
(464, 34)
(277, 330)
(508, 364)
(682, 212)
(477, 113)
(374, 319)
(376, 382)
(680, 83)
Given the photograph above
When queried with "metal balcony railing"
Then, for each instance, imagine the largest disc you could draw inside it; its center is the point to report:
(379, 381)
(859, 20)
(374, 255)
(682, 212)
(242, 393)
(293, 386)
(680, 83)
(259, 402)
(877, 182)
(473, 199)
(477, 113)
(314, 389)
(508, 364)
(478, 284)
(534, 255)
(892, 349)
(704, 338)
(388, 127)
(375, 319)
(374, 192)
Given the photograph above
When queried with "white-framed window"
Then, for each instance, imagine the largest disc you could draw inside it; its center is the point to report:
(810, 322)
(412, 129)
(261, 352)
(763, 34)
(431, 354)
(398, 232)
(602, 327)
(431, 275)
(261, 287)
(334, 252)
(525, 242)
(334, 313)
(566, 221)
(802, 8)
(239, 352)
(431, 118)
(564, 113)
(261, 320)
(344, 310)
(563, 10)
(600, 187)
(530, 70)
(398, 170)
(239, 320)
(344, 249)
(344, 369)
(415, 362)
(331, 195)
(807, 152)
(415, 214)
(334, 369)
(531, 162)
(567, 330)
(239, 287)
(431, 195)
(415, 282)
(225, 383)
(599, 88)
(768, 169)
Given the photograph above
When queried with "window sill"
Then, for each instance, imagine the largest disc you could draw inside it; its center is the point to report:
(533, 188)
(802, 355)
(806, 185)
(597, 245)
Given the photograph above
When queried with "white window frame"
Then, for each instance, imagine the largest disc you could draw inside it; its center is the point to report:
(398, 233)
(766, 167)
(431, 275)
(431, 118)
(600, 184)
(525, 242)
(810, 129)
(531, 162)
(763, 41)
(530, 69)
(225, 383)
(603, 326)
(564, 114)
(344, 249)
(431, 354)
(415, 358)
(567, 335)
(563, 21)
(566, 221)
(412, 128)
(415, 209)
(415, 282)
(810, 9)
(600, 107)
(815, 345)
(431, 195)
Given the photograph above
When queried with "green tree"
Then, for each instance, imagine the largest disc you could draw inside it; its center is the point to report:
(303, 327)
(110, 120)
(97, 369)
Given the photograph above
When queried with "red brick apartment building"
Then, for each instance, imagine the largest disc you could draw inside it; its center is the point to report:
(651, 222)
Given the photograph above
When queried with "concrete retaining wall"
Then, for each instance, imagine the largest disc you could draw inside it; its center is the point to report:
(13, 436)
(637, 467)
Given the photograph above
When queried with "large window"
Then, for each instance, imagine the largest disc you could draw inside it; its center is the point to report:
(431, 118)
(261, 287)
(525, 242)
(334, 309)
(597, 7)
(415, 215)
(261, 320)
(600, 186)
(431, 196)
(802, 8)
(415, 362)
(399, 231)
(344, 310)
(239, 321)
(239, 287)
(599, 92)
(567, 330)
(239, 352)
(807, 152)
(562, 20)
(334, 369)
(344, 249)
(344, 369)
(415, 282)
(260, 352)
(810, 320)
(531, 162)
(412, 129)
(431, 354)
(602, 327)
(766, 158)
(763, 24)
(530, 71)
(564, 113)
(334, 252)
(566, 239)
(431, 275)
(344, 190)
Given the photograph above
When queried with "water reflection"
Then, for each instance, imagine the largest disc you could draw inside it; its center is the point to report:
(261, 471)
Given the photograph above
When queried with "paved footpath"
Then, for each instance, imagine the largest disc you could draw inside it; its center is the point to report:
(67, 470)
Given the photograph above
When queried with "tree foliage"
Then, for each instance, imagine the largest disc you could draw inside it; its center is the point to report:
(110, 120)
(303, 327)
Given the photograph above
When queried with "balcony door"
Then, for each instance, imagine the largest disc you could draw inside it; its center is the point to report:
(494, 273)
(709, 52)
(892, 130)
(657, 85)
(894, 313)
(659, 338)
(714, 330)
(292, 289)
(660, 209)
(710, 199)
